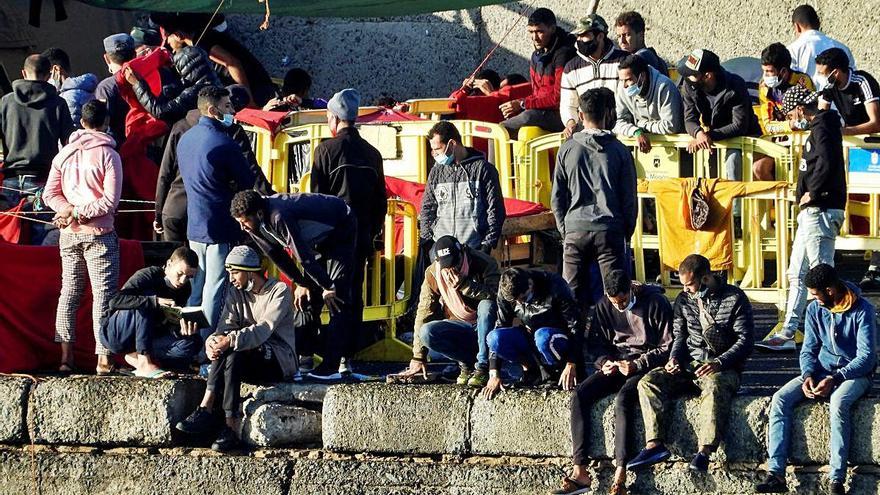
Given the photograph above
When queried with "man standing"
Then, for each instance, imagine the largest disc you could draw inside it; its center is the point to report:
(631, 334)
(463, 194)
(33, 121)
(595, 66)
(213, 170)
(554, 47)
(647, 103)
(712, 327)
(630, 30)
(594, 196)
(118, 49)
(810, 42)
(84, 188)
(837, 361)
(717, 106)
(349, 167)
(456, 311)
(821, 193)
(310, 226)
(549, 339)
(76, 91)
(254, 341)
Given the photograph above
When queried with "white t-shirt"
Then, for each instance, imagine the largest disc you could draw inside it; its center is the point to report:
(810, 44)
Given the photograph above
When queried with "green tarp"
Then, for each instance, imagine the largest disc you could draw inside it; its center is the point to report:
(298, 8)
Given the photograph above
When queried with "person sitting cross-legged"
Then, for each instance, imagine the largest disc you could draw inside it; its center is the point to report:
(456, 311)
(139, 324)
(713, 336)
(549, 340)
(255, 340)
(630, 335)
(837, 360)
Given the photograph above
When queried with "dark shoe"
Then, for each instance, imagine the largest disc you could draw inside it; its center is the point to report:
(836, 488)
(325, 373)
(649, 457)
(871, 281)
(699, 463)
(227, 441)
(773, 484)
(201, 421)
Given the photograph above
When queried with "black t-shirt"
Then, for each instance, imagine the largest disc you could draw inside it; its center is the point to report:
(850, 101)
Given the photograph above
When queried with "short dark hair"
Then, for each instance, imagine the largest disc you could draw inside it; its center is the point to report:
(122, 56)
(806, 15)
(633, 20)
(776, 55)
(635, 63)
(186, 255)
(543, 16)
(58, 57)
(597, 104)
(296, 82)
(446, 131)
(38, 65)
(211, 95)
(514, 283)
(821, 277)
(616, 282)
(491, 76)
(516, 79)
(833, 58)
(246, 203)
(695, 264)
(94, 114)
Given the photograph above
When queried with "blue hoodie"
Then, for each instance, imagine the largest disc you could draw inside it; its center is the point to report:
(77, 91)
(841, 345)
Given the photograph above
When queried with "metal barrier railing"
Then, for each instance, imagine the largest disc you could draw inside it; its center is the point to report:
(430, 108)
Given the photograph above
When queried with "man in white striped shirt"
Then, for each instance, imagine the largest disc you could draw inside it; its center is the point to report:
(811, 42)
(595, 66)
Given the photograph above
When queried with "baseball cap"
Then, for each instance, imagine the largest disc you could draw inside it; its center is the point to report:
(797, 95)
(447, 252)
(592, 22)
(119, 42)
(699, 62)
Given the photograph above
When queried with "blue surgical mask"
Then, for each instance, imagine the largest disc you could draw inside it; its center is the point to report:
(800, 125)
(771, 81)
(632, 302)
(445, 159)
(632, 90)
(227, 120)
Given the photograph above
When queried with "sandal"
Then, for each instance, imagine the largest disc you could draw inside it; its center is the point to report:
(111, 371)
(572, 487)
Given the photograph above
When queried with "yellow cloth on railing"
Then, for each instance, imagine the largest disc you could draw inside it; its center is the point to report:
(715, 239)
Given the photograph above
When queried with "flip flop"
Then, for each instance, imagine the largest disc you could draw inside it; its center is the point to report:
(157, 374)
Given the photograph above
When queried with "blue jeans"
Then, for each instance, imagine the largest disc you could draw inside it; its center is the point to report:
(782, 414)
(516, 345)
(813, 244)
(455, 339)
(30, 185)
(137, 330)
(209, 284)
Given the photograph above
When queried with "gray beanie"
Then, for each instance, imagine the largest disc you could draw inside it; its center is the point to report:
(344, 104)
(244, 258)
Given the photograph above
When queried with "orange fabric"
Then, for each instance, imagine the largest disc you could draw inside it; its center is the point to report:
(715, 240)
(846, 303)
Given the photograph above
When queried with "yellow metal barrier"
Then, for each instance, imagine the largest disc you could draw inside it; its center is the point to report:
(430, 108)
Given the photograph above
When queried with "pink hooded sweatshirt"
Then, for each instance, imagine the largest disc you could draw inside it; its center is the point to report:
(86, 174)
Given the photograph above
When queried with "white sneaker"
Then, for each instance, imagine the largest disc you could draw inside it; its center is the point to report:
(344, 367)
(777, 343)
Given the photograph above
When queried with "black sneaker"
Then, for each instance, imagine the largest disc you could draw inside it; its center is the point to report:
(201, 421)
(699, 463)
(836, 488)
(871, 281)
(773, 484)
(649, 457)
(227, 441)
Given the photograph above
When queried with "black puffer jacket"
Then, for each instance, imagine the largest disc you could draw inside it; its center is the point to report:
(731, 311)
(194, 67)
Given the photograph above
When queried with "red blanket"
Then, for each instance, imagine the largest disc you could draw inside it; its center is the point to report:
(412, 192)
(31, 276)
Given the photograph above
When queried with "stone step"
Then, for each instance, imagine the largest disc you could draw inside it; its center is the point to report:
(13, 408)
(438, 419)
(72, 471)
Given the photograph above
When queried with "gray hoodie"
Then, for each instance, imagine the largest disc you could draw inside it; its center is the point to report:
(594, 187)
(656, 110)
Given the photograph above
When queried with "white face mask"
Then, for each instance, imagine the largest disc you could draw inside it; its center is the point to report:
(250, 286)
(771, 81)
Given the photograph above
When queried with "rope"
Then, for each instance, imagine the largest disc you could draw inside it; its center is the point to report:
(492, 51)
(23, 215)
(143, 201)
(208, 25)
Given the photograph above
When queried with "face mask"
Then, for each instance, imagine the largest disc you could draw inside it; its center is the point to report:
(587, 47)
(632, 302)
(832, 80)
(800, 124)
(445, 159)
(696, 86)
(56, 81)
(250, 286)
(227, 120)
(821, 81)
(771, 81)
(632, 90)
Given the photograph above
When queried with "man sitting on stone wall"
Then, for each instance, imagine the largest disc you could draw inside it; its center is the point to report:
(837, 360)
(713, 329)
(255, 340)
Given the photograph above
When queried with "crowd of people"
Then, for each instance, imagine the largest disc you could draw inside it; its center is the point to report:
(212, 304)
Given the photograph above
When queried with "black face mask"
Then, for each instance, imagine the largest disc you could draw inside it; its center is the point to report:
(696, 86)
(586, 48)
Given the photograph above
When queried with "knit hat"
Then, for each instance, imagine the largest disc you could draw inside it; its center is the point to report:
(244, 258)
(796, 96)
(447, 252)
(344, 104)
(120, 42)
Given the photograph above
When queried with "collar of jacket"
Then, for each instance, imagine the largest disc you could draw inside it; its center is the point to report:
(212, 122)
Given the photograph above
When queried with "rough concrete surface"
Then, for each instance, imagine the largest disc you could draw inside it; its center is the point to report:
(13, 402)
(278, 425)
(396, 419)
(110, 411)
(429, 55)
(285, 393)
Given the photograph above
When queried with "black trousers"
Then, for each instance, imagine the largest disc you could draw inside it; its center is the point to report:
(580, 250)
(590, 391)
(338, 253)
(228, 371)
(175, 229)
